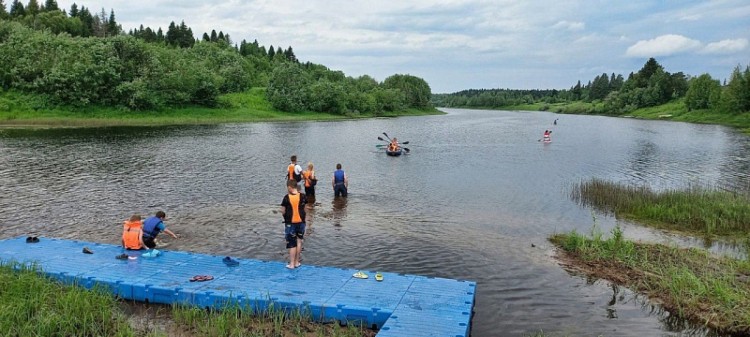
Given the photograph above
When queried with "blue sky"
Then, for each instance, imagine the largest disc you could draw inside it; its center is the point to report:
(471, 44)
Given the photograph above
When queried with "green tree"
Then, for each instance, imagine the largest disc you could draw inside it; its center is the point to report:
(214, 36)
(736, 95)
(112, 27)
(51, 5)
(73, 10)
(287, 87)
(16, 9)
(416, 90)
(32, 8)
(3, 12)
(703, 93)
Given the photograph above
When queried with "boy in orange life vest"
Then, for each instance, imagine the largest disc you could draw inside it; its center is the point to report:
(294, 171)
(132, 233)
(293, 209)
(310, 181)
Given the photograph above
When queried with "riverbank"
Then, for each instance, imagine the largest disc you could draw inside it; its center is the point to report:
(31, 305)
(690, 283)
(696, 211)
(21, 110)
(674, 111)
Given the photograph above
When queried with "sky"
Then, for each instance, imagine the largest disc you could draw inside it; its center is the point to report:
(472, 44)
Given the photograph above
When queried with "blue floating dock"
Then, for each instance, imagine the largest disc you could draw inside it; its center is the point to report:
(400, 305)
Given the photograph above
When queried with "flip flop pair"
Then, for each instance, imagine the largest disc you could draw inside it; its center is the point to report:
(360, 275)
(151, 253)
(32, 239)
(201, 278)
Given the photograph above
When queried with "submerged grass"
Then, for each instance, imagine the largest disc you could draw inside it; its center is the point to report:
(695, 210)
(691, 283)
(33, 305)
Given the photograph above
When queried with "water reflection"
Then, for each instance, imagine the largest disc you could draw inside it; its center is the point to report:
(339, 210)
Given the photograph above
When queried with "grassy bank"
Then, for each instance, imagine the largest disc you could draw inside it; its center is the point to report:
(690, 283)
(674, 110)
(695, 211)
(31, 305)
(17, 109)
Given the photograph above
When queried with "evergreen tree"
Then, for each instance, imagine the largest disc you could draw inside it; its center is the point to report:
(576, 91)
(271, 52)
(160, 35)
(32, 8)
(289, 54)
(214, 37)
(3, 11)
(17, 10)
(221, 36)
(172, 34)
(51, 5)
(112, 27)
(73, 10)
(206, 38)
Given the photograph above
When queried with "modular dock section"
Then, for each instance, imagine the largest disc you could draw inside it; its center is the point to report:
(399, 305)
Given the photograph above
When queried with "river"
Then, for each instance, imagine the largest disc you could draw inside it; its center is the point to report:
(475, 198)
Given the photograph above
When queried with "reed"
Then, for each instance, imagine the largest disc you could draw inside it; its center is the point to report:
(690, 283)
(694, 210)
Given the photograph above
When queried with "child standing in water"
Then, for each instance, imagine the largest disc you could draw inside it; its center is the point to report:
(293, 210)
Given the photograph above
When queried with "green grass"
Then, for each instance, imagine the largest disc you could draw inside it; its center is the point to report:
(691, 283)
(18, 109)
(695, 210)
(33, 305)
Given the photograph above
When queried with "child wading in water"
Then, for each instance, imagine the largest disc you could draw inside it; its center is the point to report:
(293, 209)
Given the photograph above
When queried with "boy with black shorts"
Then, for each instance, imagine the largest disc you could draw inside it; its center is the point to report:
(293, 210)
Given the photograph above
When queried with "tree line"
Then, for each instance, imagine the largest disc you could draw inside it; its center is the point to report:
(79, 59)
(650, 86)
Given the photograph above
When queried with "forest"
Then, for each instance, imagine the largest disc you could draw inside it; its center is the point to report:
(79, 59)
(650, 86)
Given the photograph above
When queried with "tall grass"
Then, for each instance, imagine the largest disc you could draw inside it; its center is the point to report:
(31, 305)
(695, 210)
(691, 283)
(235, 320)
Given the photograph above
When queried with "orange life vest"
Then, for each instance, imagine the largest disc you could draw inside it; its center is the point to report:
(131, 234)
(294, 201)
(308, 177)
(290, 168)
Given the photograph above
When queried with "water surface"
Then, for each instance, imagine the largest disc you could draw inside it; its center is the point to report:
(475, 198)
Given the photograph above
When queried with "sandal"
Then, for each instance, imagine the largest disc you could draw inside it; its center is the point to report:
(201, 278)
(86, 250)
(378, 277)
(32, 239)
(360, 274)
(122, 257)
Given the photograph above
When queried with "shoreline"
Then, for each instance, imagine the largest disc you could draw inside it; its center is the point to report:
(689, 283)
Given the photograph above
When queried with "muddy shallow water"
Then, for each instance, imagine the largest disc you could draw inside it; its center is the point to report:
(475, 198)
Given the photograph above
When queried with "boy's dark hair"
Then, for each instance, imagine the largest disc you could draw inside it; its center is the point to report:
(294, 158)
(161, 214)
(291, 183)
(338, 166)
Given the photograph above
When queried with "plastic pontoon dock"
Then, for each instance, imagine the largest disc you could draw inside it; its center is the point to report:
(400, 305)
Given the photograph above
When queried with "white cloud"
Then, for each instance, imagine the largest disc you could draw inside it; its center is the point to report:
(664, 45)
(728, 46)
(570, 25)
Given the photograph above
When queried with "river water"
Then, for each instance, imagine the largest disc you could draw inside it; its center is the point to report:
(475, 198)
